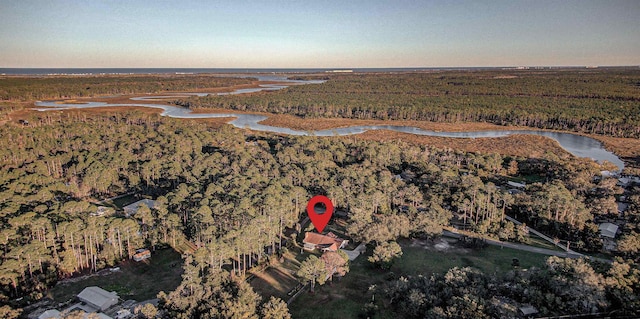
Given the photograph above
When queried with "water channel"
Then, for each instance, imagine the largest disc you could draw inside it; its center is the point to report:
(580, 146)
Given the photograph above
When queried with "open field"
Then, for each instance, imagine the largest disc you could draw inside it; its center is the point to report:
(135, 280)
(345, 298)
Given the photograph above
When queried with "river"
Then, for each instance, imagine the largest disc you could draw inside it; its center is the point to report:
(580, 146)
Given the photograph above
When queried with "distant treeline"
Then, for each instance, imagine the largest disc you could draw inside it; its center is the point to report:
(590, 101)
(59, 87)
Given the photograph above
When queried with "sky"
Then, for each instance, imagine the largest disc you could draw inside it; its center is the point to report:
(317, 33)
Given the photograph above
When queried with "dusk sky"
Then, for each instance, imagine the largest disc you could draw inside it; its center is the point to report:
(318, 34)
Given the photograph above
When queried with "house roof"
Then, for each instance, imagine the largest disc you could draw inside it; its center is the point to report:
(133, 207)
(515, 184)
(98, 297)
(608, 230)
(322, 240)
(528, 310)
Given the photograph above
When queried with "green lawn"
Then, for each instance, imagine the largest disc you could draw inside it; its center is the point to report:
(135, 280)
(492, 259)
(345, 298)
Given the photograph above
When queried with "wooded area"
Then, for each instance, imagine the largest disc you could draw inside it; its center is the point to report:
(602, 101)
(22, 88)
(234, 194)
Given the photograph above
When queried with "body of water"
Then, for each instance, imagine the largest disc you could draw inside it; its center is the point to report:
(235, 71)
(580, 146)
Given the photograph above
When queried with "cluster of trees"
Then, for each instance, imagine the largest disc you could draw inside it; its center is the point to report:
(233, 192)
(602, 102)
(331, 263)
(18, 88)
(207, 292)
(561, 286)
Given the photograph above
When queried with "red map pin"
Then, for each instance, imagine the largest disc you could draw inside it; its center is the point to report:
(319, 220)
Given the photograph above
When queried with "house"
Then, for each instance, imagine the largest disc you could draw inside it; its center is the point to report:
(131, 209)
(328, 242)
(98, 298)
(142, 254)
(527, 311)
(608, 230)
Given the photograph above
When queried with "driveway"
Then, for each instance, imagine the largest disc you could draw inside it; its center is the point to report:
(353, 254)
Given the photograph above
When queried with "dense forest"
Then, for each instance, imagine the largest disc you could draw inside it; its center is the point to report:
(603, 101)
(233, 193)
(19, 88)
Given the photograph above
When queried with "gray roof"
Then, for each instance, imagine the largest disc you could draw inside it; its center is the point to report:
(608, 230)
(622, 207)
(528, 310)
(516, 184)
(133, 207)
(98, 297)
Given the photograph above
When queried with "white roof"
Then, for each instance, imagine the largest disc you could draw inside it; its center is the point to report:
(50, 314)
(608, 230)
(514, 184)
(133, 207)
(98, 297)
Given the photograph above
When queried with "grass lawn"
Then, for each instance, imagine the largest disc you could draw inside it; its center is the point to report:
(418, 260)
(345, 298)
(135, 280)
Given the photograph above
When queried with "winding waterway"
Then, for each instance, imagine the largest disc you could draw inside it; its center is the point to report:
(580, 146)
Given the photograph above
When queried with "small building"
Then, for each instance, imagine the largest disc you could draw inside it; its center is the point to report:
(142, 254)
(527, 311)
(328, 242)
(516, 185)
(132, 208)
(608, 230)
(98, 298)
